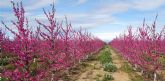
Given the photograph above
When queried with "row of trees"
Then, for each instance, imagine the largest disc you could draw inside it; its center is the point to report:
(42, 54)
(143, 48)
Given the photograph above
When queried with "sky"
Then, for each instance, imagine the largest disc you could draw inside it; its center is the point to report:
(105, 19)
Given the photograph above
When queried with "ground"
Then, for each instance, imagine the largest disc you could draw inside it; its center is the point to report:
(119, 75)
(92, 70)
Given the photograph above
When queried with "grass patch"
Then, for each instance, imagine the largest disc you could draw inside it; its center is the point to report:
(109, 67)
(4, 61)
(105, 57)
(136, 77)
(107, 77)
(106, 60)
(126, 68)
(2, 79)
(161, 60)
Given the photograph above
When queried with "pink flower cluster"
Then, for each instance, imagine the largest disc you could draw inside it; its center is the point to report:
(41, 54)
(143, 47)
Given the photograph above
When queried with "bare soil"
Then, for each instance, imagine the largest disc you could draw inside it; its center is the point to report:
(119, 75)
(94, 70)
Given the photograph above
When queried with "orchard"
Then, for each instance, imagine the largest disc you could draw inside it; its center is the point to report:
(42, 54)
(52, 49)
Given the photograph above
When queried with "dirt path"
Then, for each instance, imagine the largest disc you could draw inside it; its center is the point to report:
(94, 71)
(119, 75)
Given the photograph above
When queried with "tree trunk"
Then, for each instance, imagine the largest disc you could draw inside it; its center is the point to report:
(155, 76)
